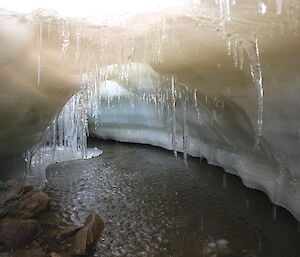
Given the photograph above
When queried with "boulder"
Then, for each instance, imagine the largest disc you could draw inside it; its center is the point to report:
(10, 192)
(65, 233)
(33, 245)
(54, 254)
(28, 253)
(10, 210)
(21, 202)
(18, 233)
(3, 248)
(86, 238)
(32, 204)
(8, 183)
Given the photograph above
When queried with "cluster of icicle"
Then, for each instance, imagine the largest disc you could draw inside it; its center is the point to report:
(64, 139)
(172, 103)
(70, 129)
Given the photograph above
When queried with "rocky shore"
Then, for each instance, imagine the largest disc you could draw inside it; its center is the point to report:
(29, 228)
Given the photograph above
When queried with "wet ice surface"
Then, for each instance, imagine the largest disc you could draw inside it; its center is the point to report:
(47, 155)
(153, 205)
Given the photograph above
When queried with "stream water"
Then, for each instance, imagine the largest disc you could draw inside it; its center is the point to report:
(153, 205)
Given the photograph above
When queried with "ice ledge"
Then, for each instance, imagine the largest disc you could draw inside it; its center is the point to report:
(255, 173)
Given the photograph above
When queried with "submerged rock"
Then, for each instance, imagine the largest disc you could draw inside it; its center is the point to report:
(18, 233)
(86, 238)
(217, 248)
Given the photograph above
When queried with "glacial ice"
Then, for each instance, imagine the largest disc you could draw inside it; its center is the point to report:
(64, 140)
(214, 79)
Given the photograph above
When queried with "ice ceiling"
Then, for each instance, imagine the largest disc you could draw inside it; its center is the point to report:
(214, 79)
(94, 8)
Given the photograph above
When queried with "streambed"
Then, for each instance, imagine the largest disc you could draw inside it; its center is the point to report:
(154, 205)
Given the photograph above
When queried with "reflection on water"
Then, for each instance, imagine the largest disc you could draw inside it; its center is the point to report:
(154, 206)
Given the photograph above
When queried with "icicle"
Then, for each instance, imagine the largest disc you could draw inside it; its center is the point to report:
(225, 11)
(279, 4)
(274, 211)
(185, 130)
(49, 29)
(54, 136)
(224, 180)
(247, 204)
(77, 51)
(262, 7)
(173, 101)
(164, 37)
(228, 43)
(228, 91)
(40, 45)
(235, 53)
(139, 74)
(253, 53)
(241, 54)
(65, 38)
(195, 97)
(68, 132)
(196, 104)
(28, 160)
(225, 14)
(259, 243)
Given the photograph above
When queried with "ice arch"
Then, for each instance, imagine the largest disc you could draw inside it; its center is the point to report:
(217, 79)
(218, 128)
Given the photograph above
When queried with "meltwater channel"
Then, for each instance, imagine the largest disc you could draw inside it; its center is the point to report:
(155, 205)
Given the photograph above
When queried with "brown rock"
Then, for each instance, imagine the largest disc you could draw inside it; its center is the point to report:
(66, 233)
(28, 253)
(34, 244)
(18, 233)
(3, 248)
(86, 238)
(28, 189)
(32, 204)
(10, 210)
(10, 191)
(21, 202)
(54, 254)
(9, 183)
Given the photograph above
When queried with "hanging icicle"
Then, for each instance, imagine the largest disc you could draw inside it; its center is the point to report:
(173, 100)
(185, 141)
(40, 46)
(279, 4)
(65, 37)
(252, 49)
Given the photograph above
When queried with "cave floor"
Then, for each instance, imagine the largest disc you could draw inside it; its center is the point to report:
(154, 205)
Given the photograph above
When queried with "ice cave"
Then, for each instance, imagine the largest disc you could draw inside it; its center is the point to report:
(163, 128)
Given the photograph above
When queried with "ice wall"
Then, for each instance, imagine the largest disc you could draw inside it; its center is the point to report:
(218, 79)
(221, 128)
(27, 105)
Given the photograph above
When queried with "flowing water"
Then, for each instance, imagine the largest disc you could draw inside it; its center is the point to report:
(154, 205)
